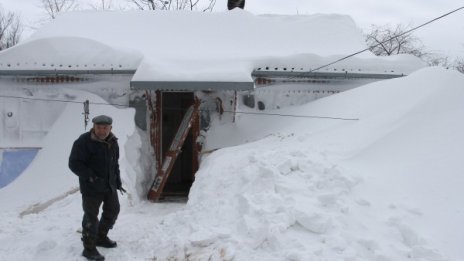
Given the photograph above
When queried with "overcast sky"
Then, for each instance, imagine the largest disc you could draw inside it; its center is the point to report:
(445, 36)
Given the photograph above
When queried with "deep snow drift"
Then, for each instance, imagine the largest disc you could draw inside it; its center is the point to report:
(385, 187)
(198, 46)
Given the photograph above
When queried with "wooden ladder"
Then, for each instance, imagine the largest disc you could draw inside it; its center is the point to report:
(171, 155)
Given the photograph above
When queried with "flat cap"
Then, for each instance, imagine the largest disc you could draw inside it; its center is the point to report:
(103, 120)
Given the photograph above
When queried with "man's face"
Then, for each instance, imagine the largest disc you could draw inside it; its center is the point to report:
(102, 131)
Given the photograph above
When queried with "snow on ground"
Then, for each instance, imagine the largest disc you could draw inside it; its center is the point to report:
(384, 187)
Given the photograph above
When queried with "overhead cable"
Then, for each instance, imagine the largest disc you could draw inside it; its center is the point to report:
(302, 74)
(238, 112)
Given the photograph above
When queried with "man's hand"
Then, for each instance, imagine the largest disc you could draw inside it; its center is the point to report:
(122, 190)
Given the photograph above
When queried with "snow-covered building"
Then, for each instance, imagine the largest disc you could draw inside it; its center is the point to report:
(179, 68)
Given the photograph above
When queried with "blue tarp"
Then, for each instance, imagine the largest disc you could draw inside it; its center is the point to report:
(14, 162)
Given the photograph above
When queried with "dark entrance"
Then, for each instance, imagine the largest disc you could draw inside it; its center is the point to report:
(174, 105)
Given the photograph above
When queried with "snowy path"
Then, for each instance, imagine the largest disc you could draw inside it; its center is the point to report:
(276, 199)
(54, 233)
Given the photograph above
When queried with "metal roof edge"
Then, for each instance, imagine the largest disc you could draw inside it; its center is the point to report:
(191, 85)
(325, 75)
(61, 72)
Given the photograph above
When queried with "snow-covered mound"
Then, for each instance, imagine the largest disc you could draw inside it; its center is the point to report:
(387, 186)
(67, 53)
(155, 33)
(195, 46)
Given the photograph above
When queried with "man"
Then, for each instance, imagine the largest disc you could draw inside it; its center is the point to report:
(94, 158)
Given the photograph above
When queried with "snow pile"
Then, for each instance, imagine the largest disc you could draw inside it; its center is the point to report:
(220, 35)
(373, 189)
(384, 187)
(397, 64)
(67, 53)
(182, 46)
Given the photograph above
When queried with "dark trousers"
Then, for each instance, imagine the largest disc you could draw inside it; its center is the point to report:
(91, 225)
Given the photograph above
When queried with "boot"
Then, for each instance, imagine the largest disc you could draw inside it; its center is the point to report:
(90, 251)
(103, 239)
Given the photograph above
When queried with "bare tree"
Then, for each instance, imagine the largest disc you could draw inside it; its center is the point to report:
(10, 29)
(459, 64)
(386, 41)
(437, 60)
(53, 7)
(14, 33)
(145, 4)
(102, 5)
(444, 61)
(202, 5)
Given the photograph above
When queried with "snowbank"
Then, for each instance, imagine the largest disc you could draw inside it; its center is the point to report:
(384, 187)
(195, 46)
(68, 53)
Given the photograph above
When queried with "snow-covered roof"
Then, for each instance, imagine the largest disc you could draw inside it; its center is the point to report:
(192, 46)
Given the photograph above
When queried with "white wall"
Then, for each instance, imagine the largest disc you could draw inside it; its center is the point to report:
(24, 122)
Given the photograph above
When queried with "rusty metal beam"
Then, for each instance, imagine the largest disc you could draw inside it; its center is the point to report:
(195, 134)
(172, 154)
(158, 131)
(154, 108)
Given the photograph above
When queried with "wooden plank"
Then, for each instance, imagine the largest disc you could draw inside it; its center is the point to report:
(174, 150)
(157, 130)
(196, 147)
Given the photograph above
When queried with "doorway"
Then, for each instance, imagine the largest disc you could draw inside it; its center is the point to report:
(174, 106)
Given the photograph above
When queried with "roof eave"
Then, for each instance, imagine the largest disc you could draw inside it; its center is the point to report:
(62, 72)
(325, 75)
(191, 85)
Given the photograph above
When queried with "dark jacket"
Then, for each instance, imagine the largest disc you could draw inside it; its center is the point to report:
(96, 163)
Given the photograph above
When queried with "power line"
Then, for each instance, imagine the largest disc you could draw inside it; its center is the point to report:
(273, 114)
(178, 109)
(295, 116)
(58, 100)
(299, 75)
(368, 48)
